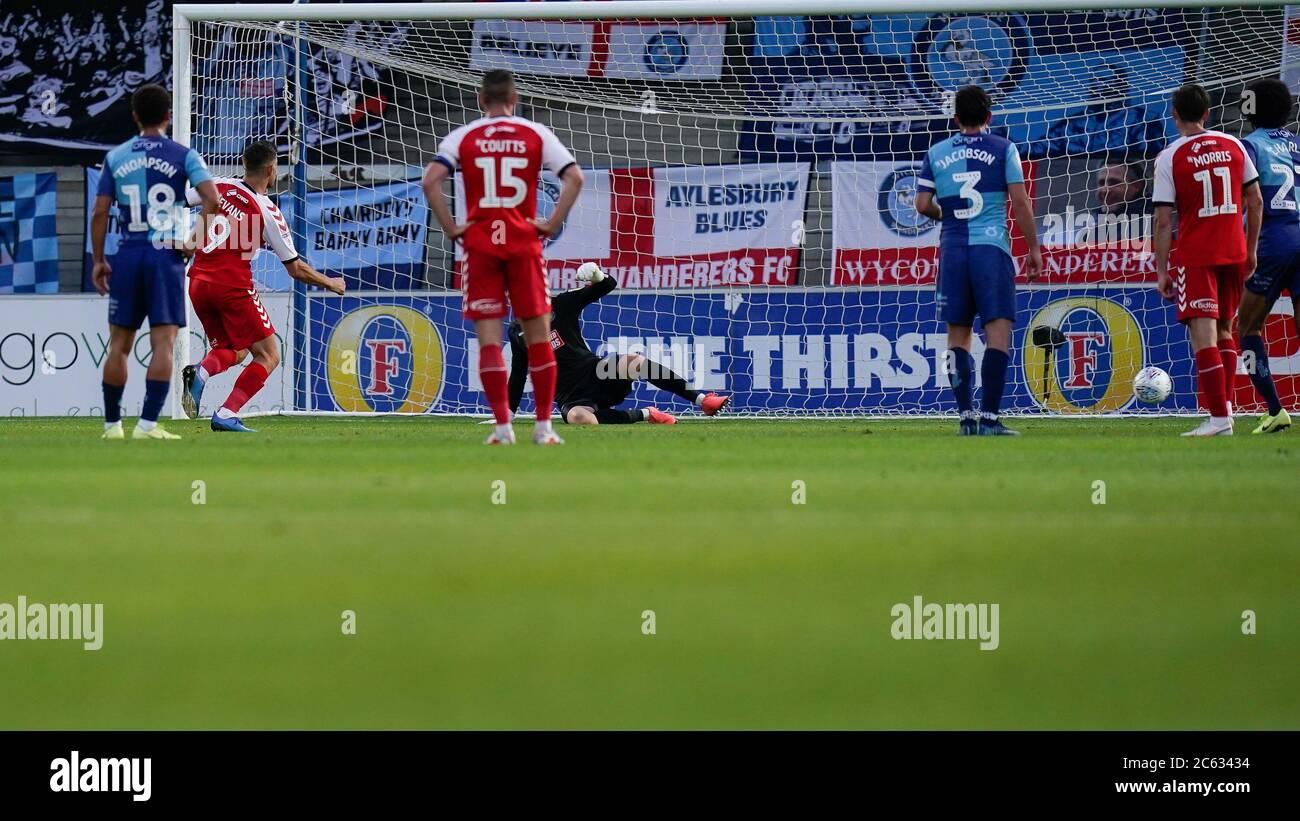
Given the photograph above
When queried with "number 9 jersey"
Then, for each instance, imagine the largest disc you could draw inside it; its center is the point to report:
(246, 223)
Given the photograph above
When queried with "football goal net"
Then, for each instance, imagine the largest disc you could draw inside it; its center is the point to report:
(751, 173)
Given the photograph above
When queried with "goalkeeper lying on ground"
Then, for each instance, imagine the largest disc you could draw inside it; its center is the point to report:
(587, 387)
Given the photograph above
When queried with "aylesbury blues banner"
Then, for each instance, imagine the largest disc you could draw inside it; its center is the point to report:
(29, 241)
(1093, 82)
(853, 351)
(706, 226)
(625, 49)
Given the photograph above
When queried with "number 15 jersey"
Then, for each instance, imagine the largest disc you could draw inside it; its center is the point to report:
(500, 160)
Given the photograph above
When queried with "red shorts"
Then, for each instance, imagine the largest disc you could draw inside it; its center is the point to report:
(488, 279)
(1209, 291)
(232, 317)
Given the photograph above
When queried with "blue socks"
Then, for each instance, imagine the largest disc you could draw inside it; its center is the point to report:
(961, 379)
(1260, 375)
(113, 402)
(155, 394)
(993, 373)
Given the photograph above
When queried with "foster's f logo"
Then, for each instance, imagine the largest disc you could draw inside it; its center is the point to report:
(383, 364)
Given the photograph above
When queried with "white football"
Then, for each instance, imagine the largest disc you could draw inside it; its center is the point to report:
(1152, 385)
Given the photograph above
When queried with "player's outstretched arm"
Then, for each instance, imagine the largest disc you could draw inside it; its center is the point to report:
(300, 270)
(597, 283)
(1022, 209)
(571, 180)
(434, 176)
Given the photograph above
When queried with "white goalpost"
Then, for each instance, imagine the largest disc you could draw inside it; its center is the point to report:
(751, 172)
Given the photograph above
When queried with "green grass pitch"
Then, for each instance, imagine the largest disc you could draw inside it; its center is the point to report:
(768, 614)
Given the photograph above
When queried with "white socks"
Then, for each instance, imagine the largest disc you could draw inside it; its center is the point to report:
(504, 431)
(108, 425)
(145, 425)
(543, 427)
(699, 401)
(203, 374)
(224, 413)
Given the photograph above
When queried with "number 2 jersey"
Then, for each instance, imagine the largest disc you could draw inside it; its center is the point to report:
(1276, 155)
(146, 177)
(1202, 176)
(969, 175)
(246, 223)
(500, 160)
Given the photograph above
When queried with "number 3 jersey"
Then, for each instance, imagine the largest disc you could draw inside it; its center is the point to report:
(1202, 177)
(246, 223)
(969, 175)
(146, 177)
(500, 160)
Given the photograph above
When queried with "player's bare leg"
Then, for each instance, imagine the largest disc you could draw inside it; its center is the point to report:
(1210, 377)
(158, 381)
(266, 358)
(542, 372)
(492, 373)
(1250, 324)
(120, 340)
(997, 338)
(637, 367)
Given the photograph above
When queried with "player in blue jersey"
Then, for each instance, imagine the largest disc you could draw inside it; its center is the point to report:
(146, 177)
(966, 181)
(1275, 151)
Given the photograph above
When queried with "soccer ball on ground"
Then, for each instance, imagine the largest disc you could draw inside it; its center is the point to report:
(1152, 385)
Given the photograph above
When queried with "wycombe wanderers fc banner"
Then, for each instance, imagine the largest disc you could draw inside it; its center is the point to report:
(706, 226)
(1092, 80)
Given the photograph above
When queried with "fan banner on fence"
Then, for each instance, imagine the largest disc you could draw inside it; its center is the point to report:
(785, 349)
(29, 240)
(879, 239)
(68, 69)
(679, 227)
(52, 357)
(372, 236)
(642, 50)
(1097, 90)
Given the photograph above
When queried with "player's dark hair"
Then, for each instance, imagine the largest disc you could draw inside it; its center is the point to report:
(972, 106)
(258, 155)
(1273, 103)
(498, 85)
(1191, 103)
(151, 104)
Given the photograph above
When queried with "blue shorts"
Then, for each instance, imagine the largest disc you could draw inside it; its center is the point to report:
(146, 282)
(1274, 274)
(975, 279)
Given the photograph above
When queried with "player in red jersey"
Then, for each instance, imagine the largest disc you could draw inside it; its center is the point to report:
(500, 157)
(1208, 177)
(222, 290)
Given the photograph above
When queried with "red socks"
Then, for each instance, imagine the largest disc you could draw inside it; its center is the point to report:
(217, 360)
(541, 367)
(492, 373)
(1210, 380)
(246, 386)
(1228, 356)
